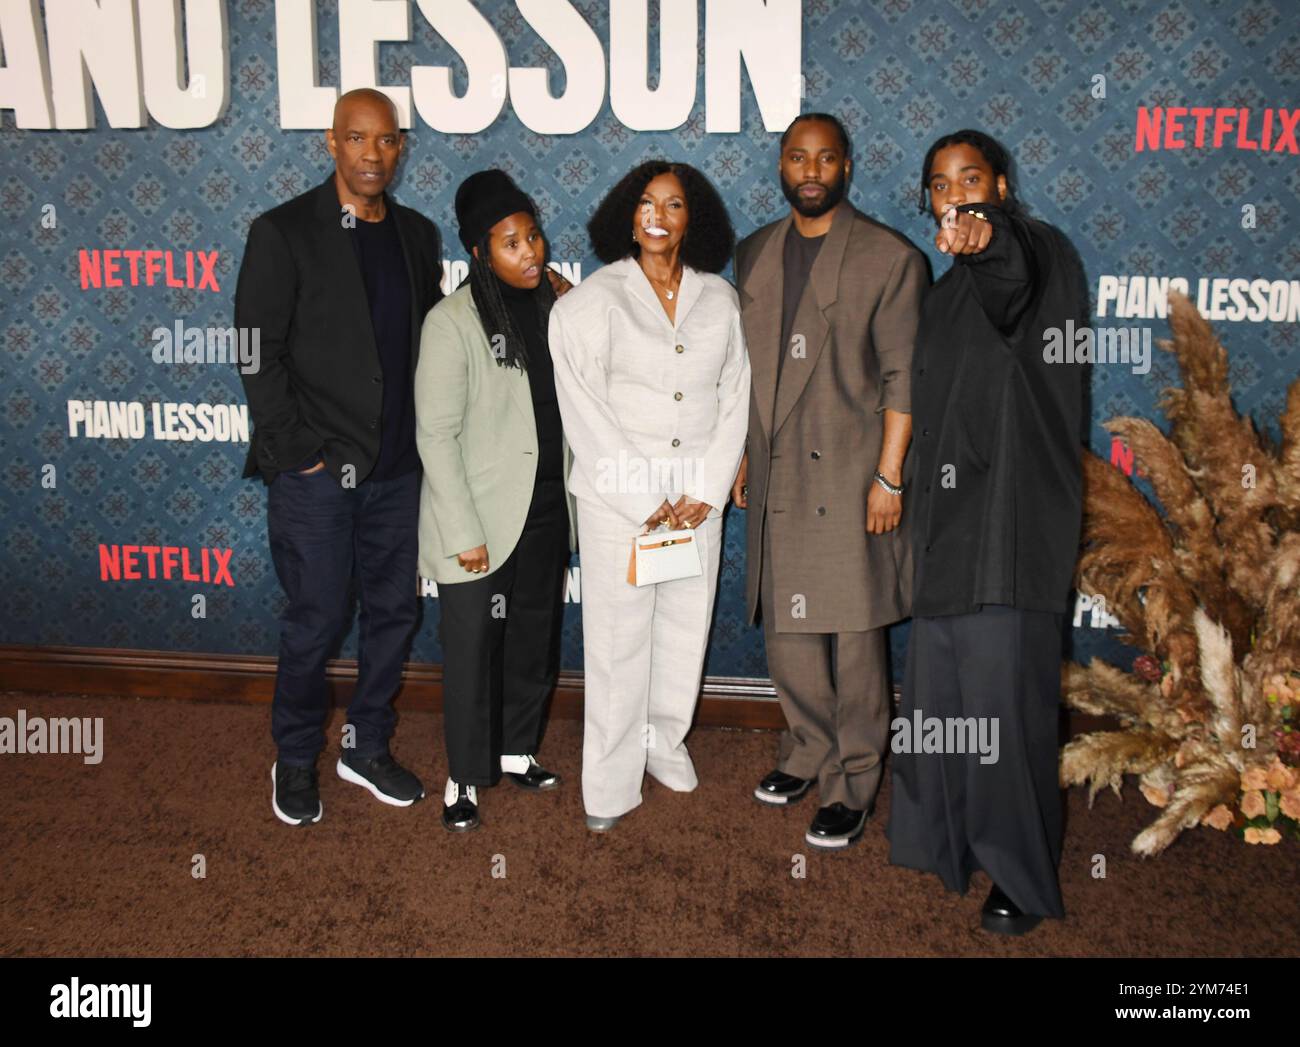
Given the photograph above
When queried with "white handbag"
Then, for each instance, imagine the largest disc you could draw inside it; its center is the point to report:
(663, 556)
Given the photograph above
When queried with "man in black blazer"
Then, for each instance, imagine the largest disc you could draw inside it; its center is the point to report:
(338, 281)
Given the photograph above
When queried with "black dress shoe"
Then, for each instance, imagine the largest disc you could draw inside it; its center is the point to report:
(460, 807)
(781, 788)
(1001, 915)
(535, 778)
(836, 826)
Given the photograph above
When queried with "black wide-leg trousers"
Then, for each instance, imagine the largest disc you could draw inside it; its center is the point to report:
(501, 645)
(952, 814)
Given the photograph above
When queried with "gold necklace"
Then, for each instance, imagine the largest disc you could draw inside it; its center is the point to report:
(670, 294)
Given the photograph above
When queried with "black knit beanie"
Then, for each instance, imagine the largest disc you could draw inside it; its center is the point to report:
(483, 199)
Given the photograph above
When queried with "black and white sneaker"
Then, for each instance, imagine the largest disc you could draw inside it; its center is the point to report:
(386, 779)
(459, 807)
(295, 794)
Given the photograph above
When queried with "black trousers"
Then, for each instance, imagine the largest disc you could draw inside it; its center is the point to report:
(951, 813)
(501, 645)
(323, 537)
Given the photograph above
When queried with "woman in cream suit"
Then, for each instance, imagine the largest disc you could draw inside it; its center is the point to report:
(653, 384)
(495, 527)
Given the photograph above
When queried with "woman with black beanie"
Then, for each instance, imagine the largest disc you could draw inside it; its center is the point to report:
(495, 530)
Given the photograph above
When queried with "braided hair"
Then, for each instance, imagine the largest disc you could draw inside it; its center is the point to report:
(995, 155)
(485, 287)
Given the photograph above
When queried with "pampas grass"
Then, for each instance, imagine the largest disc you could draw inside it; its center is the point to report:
(1207, 581)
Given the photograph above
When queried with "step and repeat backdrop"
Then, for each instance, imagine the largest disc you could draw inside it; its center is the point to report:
(139, 138)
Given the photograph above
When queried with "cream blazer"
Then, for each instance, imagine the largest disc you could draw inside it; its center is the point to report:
(651, 409)
(477, 438)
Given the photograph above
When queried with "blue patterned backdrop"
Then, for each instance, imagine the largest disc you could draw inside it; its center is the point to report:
(899, 73)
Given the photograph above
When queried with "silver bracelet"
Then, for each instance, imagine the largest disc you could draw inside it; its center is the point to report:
(891, 488)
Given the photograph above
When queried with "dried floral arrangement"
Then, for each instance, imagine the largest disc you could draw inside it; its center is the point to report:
(1208, 586)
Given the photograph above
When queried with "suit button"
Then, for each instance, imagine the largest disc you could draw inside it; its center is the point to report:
(927, 488)
(676, 442)
(680, 348)
(927, 548)
(374, 422)
(925, 432)
(821, 510)
(815, 455)
(377, 379)
(677, 396)
(921, 371)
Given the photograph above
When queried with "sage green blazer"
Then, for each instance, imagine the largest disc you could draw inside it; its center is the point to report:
(477, 439)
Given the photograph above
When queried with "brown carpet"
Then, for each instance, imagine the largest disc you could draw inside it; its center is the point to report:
(97, 862)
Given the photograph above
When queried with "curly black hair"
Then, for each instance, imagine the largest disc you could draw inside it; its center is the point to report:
(710, 238)
(994, 153)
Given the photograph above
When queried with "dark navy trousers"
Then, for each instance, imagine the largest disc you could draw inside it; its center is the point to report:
(325, 538)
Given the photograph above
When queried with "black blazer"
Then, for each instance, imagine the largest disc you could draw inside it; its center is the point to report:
(319, 387)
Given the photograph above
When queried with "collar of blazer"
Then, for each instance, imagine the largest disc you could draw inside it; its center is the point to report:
(638, 286)
(761, 297)
(344, 259)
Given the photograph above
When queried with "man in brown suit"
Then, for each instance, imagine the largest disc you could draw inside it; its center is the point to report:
(829, 301)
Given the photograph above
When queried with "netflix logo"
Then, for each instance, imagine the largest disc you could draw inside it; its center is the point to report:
(1123, 459)
(134, 563)
(1176, 127)
(131, 268)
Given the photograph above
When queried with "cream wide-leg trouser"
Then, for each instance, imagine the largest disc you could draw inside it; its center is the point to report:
(643, 653)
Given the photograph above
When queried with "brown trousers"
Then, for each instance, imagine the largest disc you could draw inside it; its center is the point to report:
(835, 694)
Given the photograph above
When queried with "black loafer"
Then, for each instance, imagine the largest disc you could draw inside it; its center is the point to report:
(781, 788)
(836, 826)
(536, 778)
(460, 808)
(1001, 915)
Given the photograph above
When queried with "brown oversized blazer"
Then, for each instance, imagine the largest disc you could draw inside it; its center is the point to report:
(814, 443)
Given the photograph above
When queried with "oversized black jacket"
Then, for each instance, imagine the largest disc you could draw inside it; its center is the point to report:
(996, 494)
(320, 386)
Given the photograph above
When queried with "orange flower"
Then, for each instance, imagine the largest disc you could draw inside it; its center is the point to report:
(1280, 778)
(1252, 803)
(1219, 818)
(1263, 836)
(1254, 778)
(1290, 804)
(1155, 796)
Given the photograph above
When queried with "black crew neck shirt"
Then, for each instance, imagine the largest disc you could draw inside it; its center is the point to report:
(388, 291)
